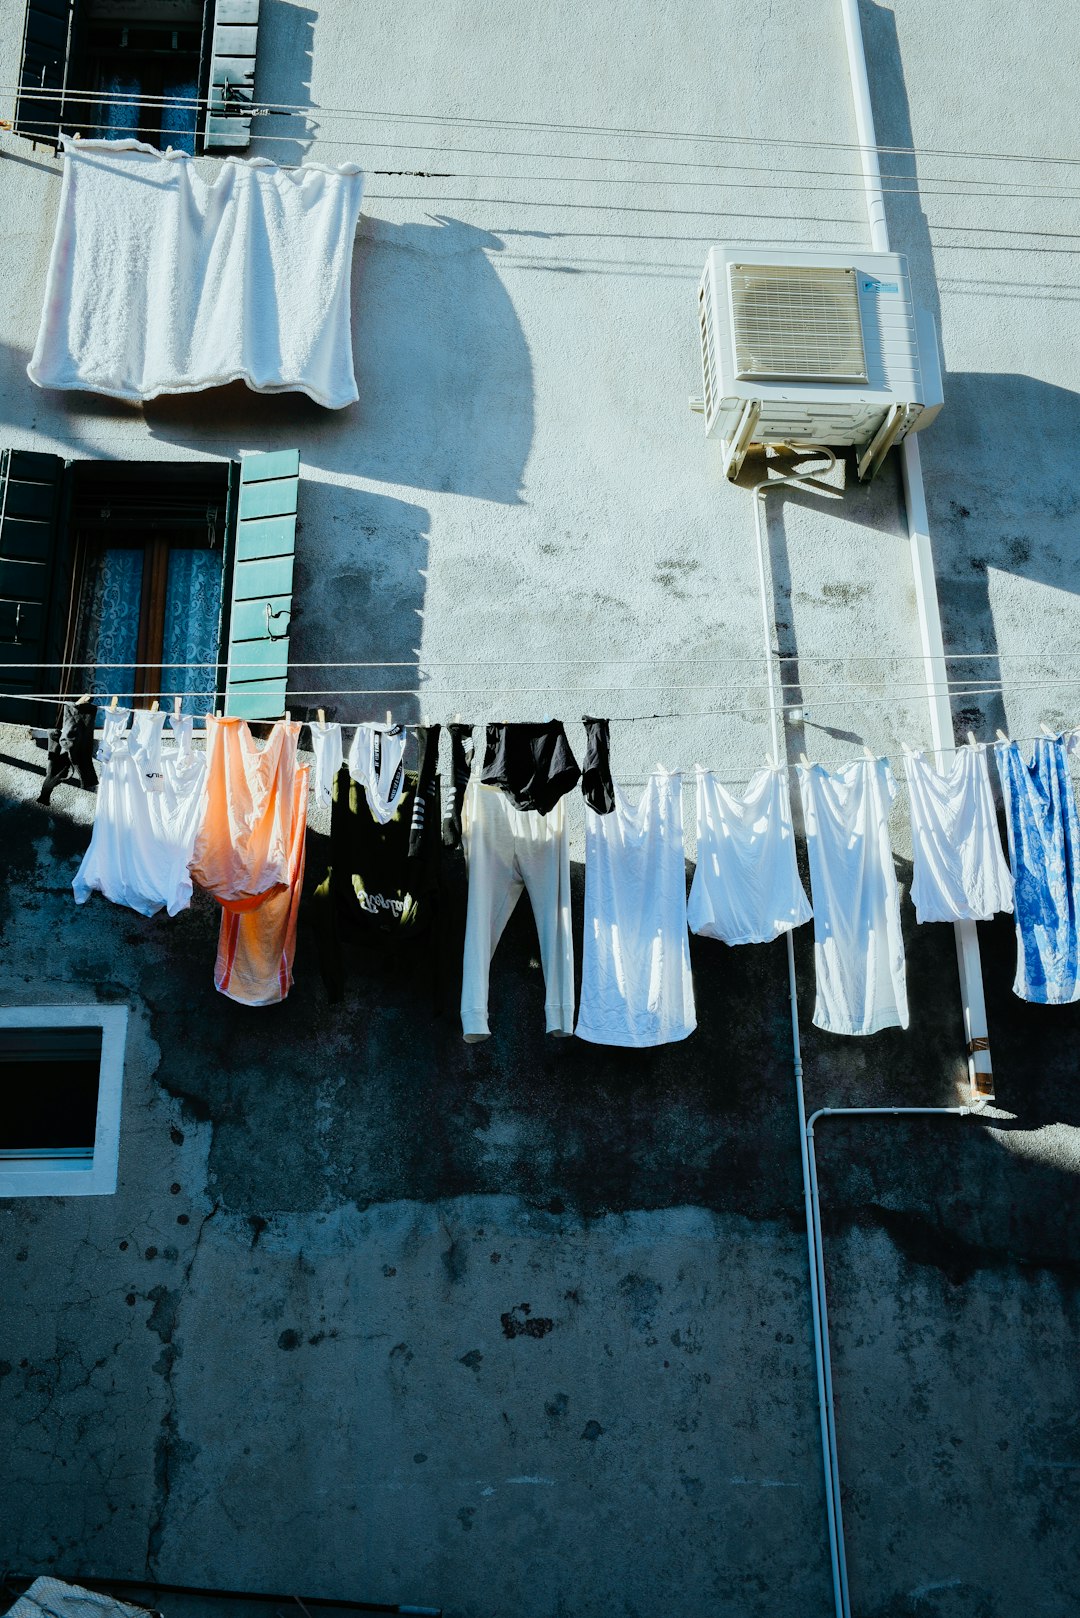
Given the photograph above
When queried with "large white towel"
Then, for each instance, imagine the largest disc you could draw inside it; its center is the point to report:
(163, 282)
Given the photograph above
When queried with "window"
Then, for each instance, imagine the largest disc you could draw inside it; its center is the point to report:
(146, 580)
(62, 1071)
(140, 63)
(171, 72)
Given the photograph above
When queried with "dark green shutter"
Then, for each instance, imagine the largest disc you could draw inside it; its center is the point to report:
(234, 33)
(261, 604)
(31, 492)
(46, 43)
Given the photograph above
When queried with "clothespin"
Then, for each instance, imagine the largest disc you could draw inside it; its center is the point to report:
(288, 717)
(1001, 736)
(176, 705)
(113, 704)
(155, 705)
(804, 761)
(868, 753)
(457, 719)
(1045, 728)
(217, 713)
(909, 751)
(322, 718)
(971, 739)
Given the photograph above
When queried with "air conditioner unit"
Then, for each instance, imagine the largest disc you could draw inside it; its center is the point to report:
(814, 346)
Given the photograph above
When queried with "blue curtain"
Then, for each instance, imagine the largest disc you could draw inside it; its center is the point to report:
(192, 611)
(112, 633)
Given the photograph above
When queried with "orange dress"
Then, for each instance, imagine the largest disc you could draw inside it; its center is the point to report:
(249, 854)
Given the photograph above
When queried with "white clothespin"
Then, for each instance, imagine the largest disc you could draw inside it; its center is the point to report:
(457, 719)
(869, 755)
(1045, 728)
(1001, 736)
(804, 761)
(176, 705)
(217, 713)
(155, 705)
(971, 739)
(114, 703)
(909, 751)
(322, 718)
(288, 717)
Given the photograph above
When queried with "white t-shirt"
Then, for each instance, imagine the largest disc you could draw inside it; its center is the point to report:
(636, 987)
(959, 870)
(746, 888)
(858, 945)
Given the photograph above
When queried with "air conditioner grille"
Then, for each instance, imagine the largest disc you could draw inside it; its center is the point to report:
(796, 324)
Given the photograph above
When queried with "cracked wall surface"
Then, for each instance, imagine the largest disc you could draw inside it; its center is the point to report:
(525, 1327)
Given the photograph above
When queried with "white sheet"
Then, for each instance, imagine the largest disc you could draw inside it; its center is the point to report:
(163, 280)
(746, 887)
(858, 945)
(959, 868)
(636, 984)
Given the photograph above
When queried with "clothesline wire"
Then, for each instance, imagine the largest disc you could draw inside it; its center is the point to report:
(918, 187)
(455, 120)
(253, 689)
(642, 162)
(577, 662)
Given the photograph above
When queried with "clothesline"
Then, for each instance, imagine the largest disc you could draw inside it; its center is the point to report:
(918, 189)
(297, 109)
(549, 662)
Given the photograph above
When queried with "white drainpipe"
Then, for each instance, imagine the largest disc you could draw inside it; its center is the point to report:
(967, 945)
(922, 568)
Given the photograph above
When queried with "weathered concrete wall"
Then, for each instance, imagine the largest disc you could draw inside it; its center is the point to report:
(525, 1326)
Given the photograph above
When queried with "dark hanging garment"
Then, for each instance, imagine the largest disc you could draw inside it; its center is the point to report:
(596, 784)
(382, 888)
(532, 763)
(71, 749)
(461, 754)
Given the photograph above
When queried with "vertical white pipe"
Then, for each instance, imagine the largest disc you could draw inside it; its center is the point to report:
(830, 1466)
(922, 564)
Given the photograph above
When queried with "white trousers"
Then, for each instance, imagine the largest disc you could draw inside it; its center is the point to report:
(510, 850)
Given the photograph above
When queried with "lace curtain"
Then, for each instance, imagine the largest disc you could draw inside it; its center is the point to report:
(192, 611)
(112, 623)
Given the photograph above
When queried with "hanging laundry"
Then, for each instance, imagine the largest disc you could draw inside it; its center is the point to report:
(160, 282)
(71, 749)
(243, 848)
(746, 888)
(377, 763)
(383, 882)
(461, 760)
(256, 948)
(959, 871)
(532, 764)
(150, 805)
(858, 945)
(326, 745)
(597, 787)
(1044, 849)
(636, 986)
(510, 850)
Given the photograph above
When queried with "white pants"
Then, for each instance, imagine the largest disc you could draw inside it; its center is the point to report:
(509, 850)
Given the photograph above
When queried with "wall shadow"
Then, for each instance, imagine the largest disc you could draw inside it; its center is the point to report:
(442, 366)
(373, 610)
(283, 78)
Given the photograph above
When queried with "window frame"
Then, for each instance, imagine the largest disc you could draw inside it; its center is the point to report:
(57, 1175)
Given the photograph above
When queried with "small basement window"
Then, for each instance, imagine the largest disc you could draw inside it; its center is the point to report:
(61, 1068)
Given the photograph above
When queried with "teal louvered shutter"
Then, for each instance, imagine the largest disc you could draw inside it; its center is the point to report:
(233, 38)
(31, 502)
(46, 44)
(261, 609)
